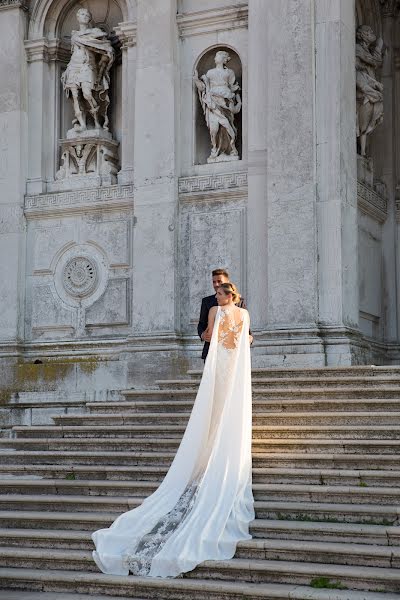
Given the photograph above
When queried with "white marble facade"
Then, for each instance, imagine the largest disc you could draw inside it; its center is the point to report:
(108, 236)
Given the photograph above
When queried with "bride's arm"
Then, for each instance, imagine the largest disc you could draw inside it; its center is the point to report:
(211, 319)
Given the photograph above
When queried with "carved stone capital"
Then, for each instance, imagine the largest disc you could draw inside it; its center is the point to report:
(126, 33)
(46, 50)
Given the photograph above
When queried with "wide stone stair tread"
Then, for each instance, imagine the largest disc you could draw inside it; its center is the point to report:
(263, 531)
(319, 379)
(270, 391)
(127, 407)
(253, 550)
(352, 512)
(385, 535)
(320, 460)
(171, 589)
(168, 419)
(352, 477)
(150, 444)
(338, 371)
(249, 571)
(279, 429)
(94, 489)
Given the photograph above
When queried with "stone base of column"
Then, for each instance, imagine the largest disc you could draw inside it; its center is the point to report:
(318, 347)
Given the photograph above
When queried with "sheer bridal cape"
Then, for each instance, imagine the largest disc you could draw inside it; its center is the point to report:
(204, 505)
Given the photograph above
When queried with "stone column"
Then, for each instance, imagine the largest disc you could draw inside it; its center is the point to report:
(13, 127)
(282, 252)
(336, 171)
(385, 137)
(127, 35)
(154, 169)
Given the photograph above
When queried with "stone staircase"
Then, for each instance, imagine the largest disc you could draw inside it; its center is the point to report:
(326, 475)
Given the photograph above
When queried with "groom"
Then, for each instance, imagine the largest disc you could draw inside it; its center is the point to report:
(219, 276)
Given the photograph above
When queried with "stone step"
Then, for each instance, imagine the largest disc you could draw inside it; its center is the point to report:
(150, 444)
(22, 490)
(108, 472)
(235, 571)
(320, 508)
(73, 551)
(138, 588)
(303, 530)
(301, 372)
(368, 478)
(163, 420)
(159, 433)
(38, 520)
(272, 392)
(267, 530)
(287, 459)
(122, 410)
(362, 382)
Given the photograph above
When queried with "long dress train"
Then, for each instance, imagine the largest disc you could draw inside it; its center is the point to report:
(204, 505)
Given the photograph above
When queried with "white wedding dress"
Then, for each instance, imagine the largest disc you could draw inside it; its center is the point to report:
(204, 505)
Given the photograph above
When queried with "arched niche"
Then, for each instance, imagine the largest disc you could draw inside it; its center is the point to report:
(48, 50)
(368, 13)
(201, 137)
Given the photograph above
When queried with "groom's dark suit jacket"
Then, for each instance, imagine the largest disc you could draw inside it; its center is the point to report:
(206, 304)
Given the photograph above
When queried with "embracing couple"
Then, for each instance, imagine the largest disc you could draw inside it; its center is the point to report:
(204, 505)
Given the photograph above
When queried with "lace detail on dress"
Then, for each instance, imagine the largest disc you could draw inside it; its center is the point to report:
(138, 558)
(230, 328)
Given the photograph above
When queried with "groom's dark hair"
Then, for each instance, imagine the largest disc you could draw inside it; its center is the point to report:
(223, 272)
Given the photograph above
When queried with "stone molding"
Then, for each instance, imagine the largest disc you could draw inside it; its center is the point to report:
(126, 33)
(212, 183)
(371, 203)
(46, 50)
(111, 197)
(216, 19)
(14, 4)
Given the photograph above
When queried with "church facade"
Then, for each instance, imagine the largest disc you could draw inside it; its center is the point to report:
(144, 143)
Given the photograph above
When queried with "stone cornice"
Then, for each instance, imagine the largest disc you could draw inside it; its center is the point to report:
(126, 33)
(371, 203)
(211, 186)
(103, 198)
(4, 4)
(46, 50)
(216, 19)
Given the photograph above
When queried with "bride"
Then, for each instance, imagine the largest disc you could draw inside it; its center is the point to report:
(204, 505)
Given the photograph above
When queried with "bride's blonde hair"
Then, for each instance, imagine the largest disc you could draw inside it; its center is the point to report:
(230, 288)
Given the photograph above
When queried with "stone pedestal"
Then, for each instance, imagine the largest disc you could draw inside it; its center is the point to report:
(88, 160)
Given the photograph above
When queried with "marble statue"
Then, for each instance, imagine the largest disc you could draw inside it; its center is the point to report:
(369, 56)
(87, 76)
(220, 101)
